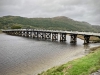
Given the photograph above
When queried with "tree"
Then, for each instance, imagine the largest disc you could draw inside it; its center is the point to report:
(16, 27)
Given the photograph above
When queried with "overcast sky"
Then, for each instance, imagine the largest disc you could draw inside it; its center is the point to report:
(81, 10)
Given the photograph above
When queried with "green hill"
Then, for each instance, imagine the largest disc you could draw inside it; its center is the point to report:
(96, 27)
(56, 23)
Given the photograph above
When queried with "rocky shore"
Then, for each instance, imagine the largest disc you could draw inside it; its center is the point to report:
(96, 73)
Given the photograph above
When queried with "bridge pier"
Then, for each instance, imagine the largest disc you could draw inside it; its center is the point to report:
(41, 35)
(20, 33)
(54, 36)
(86, 39)
(73, 38)
(27, 33)
(14, 33)
(35, 34)
(17, 33)
(44, 35)
(30, 33)
(99, 37)
(23, 33)
(47, 35)
(62, 36)
(9, 32)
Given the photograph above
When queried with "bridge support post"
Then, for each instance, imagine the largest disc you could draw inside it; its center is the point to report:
(20, 33)
(47, 35)
(40, 34)
(35, 34)
(99, 37)
(27, 33)
(54, 36)
(73, 38)
(14, 33)
(86, 39)
(10, 32)
(62, 36)
(43, 35)
(24, 33)
(17, 33)
(30, 33)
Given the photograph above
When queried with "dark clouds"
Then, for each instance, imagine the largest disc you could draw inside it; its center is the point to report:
(82, 10)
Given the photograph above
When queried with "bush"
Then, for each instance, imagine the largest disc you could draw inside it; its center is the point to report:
(16, 27)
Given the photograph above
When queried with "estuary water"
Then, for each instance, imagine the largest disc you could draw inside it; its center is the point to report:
(27, 56)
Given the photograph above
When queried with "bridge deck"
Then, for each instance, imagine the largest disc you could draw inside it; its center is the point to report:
(57, 31)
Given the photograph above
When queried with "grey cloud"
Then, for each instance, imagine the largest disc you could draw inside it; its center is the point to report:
(83, 10)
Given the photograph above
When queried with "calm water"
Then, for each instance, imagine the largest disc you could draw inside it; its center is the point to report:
(27, 56)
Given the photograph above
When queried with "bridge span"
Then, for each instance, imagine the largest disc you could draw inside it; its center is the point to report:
(51, 34)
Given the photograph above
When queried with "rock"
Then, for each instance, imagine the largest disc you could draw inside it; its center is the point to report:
(96, 73)
(99, 71)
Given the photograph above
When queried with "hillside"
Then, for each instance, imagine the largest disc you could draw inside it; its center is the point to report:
(57, 23)
(96, 27)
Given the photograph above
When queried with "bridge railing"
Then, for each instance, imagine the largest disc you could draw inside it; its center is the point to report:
(59, 31)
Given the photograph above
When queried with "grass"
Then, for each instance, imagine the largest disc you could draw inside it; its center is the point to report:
(81, 66)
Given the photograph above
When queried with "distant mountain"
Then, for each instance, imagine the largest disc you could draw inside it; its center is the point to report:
(56, 23)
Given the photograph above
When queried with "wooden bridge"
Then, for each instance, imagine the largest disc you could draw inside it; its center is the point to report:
(51, 34)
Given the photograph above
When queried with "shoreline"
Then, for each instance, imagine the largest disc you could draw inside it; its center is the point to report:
(92, 50)
(92, 39)
(65, 59)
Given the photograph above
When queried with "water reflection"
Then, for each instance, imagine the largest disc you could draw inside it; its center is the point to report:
(27, 56)
(87, 48)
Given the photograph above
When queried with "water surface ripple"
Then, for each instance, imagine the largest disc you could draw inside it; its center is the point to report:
(27, 56)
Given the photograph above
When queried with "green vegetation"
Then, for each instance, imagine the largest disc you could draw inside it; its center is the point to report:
(16, 27)
(81, 66)
(55, 23)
